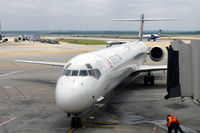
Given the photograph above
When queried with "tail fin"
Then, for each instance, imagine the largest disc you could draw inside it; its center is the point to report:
(1, 37)
(142, 22)
(141, 26)
(0, 27)
(159, 32)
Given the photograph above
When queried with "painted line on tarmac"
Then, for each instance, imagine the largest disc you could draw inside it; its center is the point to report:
(109, 116)
(97, 108)
(102, 126)
(71, 130)
(10, 73)
(155, 129)
(102, 123)
(114, 122)
(110, 98)
(162, 124)
(9, 119)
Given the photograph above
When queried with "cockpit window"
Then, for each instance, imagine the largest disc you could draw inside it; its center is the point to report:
(91, 73)
(75, 73)
(83, 73)
(97, 73)
(88, 66)
(68, 65)
(68, 72)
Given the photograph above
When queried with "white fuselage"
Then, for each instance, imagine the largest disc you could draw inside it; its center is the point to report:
(78, 88)
(151, 36)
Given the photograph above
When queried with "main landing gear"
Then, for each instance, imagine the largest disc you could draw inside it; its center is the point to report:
(76, 121)
(149, 79)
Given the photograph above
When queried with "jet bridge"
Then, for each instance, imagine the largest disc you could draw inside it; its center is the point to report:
(183, 75)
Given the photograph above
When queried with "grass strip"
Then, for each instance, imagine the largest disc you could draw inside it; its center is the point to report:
(83, 41)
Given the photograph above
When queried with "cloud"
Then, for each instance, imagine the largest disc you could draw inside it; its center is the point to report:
(95, 14)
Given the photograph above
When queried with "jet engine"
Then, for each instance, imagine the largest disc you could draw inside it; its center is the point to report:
(156, 53)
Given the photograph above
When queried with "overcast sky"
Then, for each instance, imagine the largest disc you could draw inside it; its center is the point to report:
(96, 14)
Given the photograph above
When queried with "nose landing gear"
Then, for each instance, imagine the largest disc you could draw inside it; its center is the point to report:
(76, 121)
(149, 79)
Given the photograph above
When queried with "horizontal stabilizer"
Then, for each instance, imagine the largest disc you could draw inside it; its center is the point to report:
(125, 19)
(142, 20)
(148, 19)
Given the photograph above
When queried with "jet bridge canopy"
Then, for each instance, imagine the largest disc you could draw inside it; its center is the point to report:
(183, 76)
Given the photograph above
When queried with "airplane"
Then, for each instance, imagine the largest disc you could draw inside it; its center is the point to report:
(152, 36)
(1, 36)
(88, 77)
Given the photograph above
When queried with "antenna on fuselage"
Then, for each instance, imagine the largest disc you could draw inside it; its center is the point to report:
(142, 20)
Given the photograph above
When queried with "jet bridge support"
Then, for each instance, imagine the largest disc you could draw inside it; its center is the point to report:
(183, 75)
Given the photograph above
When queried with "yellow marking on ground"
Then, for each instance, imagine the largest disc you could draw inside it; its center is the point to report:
(106, 122)
(97, 108)
(109, 116)
(71, 130)
(95, 125)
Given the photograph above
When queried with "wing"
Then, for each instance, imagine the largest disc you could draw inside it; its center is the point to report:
(43, 63)
(147, 68)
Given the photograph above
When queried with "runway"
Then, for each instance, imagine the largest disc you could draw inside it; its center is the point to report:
(27, 102)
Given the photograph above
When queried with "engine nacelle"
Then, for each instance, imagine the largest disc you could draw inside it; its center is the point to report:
(156, 53)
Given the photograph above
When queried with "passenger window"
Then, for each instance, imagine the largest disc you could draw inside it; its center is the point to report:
(97, 73)
(75, 73)
(68, 72)
(83, 73)
(91, 73)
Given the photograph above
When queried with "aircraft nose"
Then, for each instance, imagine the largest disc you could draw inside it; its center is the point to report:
(68, 96)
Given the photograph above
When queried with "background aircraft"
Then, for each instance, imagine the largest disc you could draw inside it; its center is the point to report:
(152, 36)
(1, 37)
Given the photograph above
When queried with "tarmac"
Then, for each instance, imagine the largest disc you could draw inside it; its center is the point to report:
(27, 101)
